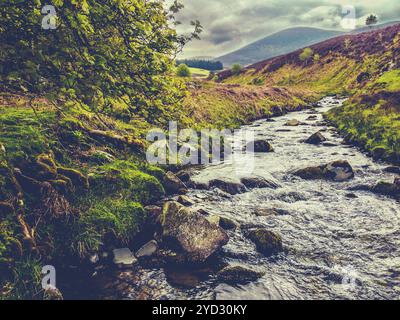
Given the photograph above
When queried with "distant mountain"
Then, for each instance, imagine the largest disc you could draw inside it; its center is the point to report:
(286, 41)
(277, 44)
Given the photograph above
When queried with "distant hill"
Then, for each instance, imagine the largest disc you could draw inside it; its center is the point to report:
(277, 44)
(286, 41)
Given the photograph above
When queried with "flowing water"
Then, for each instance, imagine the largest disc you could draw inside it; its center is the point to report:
(339, 244)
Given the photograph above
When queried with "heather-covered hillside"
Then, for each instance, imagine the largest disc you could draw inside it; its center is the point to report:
(364, 67)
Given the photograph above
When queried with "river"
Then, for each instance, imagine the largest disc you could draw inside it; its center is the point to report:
(339, 244)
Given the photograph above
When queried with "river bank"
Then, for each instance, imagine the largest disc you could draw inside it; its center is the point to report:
(330, 230)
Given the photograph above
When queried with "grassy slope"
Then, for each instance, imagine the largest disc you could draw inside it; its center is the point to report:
(84, 185)
(364, 67)
(199, 73)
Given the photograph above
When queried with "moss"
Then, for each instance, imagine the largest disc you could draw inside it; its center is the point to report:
(23, 132)
(123, 219)
(77, 178)
(7, 242)
(124, 177)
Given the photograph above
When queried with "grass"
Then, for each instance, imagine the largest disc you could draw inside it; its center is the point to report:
(199, 73)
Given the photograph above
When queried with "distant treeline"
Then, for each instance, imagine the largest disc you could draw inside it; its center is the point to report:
(202, 64)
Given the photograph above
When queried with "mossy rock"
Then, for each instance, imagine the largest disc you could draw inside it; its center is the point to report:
(125, 178)
(189, 233)
(118, 221)
(267, 242)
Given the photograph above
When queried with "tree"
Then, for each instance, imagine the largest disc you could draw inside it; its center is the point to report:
(236, 68)
(210, 65)
(183, 71)
(371, 20)
(316, 58)
(306, 54)
(101, 50)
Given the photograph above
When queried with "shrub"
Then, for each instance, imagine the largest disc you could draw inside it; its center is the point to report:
(236, 68)
(183, 71)
(306, 54)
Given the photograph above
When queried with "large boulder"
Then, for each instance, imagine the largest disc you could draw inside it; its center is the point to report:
(172, 183)
(190, 233)
(238, 275)
(260, 146)
(316, 138)
(267, 242)
(228, 186)
(336, 171)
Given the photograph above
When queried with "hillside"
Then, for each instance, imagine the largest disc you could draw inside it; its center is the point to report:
(363, 66)
(277, 44)
(286, 41)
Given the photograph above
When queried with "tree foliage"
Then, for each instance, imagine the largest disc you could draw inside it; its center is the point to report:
(203, 64)
(371, 20)
(101, 50)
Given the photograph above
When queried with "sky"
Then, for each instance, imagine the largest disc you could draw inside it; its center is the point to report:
(232, 24)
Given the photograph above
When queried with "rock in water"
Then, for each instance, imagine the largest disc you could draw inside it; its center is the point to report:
(172, 183)
(191, 231)
(227, 224)
(316, 138)
(124, 258)
(257, 182)
(260, 146)
(147, 250)
(310, 173)
(267, 242)
(185, 200)
(238, 275)
(392, 170)
(388, 189)
(339, 171)
(228, 186)
(336, 171)
(293, 123)
(277, 111)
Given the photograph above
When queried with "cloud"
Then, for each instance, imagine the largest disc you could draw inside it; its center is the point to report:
(231, 24)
